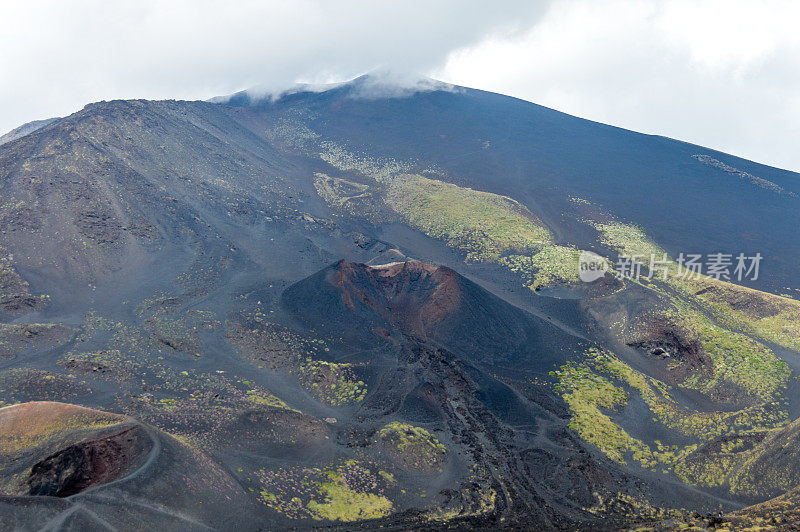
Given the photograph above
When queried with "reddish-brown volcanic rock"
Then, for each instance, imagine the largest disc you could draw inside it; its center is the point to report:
(413, 294)
(426, 302)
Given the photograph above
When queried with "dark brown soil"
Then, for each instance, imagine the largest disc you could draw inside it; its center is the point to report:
(752, 303)
(259, 344)
(393, 291)
(88, 463)
(15, 296)
(270, 426)
(418, 456)
(664, 339)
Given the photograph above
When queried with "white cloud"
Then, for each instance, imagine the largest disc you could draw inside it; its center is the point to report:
(719, 73)
(57, 56)
(375, 84)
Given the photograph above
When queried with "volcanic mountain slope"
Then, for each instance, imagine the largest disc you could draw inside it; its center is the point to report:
(200, 267)
(117, 184)
(437, 344)
(25, 129)
(541, 157)
(430, 303)
(761, 465)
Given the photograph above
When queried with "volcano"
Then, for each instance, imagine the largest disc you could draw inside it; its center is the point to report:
(428, 303)
(209, 319)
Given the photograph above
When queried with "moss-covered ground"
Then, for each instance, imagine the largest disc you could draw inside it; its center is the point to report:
(598, 387)
(725, 337)
(414, 447)
(486, 227)
(332, 383)
(350, 491)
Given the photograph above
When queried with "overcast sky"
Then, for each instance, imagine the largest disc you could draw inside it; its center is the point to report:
(724, 74)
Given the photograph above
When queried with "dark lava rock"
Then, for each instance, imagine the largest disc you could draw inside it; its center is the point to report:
(89, 463)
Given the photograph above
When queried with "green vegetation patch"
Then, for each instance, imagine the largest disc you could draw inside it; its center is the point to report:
(630, 240)
(267, 400)
(743, 361)
(552, 264)
(599, 386)
(331, 383)
(413, 446)
(638, 509)
(767, 316)
(587, 394)
(484, 225)
(701, 425)
(737, 358)
(351, 491)
(341, 503)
